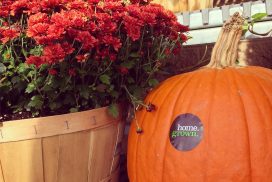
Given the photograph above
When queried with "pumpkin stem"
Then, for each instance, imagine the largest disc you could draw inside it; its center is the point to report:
(225, 51)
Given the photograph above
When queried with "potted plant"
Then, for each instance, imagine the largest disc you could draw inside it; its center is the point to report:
(65, 67)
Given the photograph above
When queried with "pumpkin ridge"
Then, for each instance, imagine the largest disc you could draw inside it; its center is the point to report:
(207, 132)
(237, 76)
(143, 115)
(179, 82)
(255, 76)
(174, 82)
(264, 123)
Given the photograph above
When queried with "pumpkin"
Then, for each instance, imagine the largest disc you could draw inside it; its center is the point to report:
(226, 112)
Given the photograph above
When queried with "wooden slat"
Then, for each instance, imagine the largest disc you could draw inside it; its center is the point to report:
(199, 4)
(22, 161)
(51, 157)
(114, 177)
(227, 2)
(116, 162)
(1, 170)
(101, 154)
(121, 129)
(54, 125)
(173, 5)
(73, 157)
(118, 146)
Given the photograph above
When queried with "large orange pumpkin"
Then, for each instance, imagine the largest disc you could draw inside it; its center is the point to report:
(230, 126)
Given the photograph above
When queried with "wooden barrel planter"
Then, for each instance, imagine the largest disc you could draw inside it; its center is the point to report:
(76, 147)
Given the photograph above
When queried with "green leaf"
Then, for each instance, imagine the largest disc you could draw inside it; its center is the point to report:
(113, 110)
(137, 92)
(36, 51)
(73, 109)
(7, 56)
(114, 94)
(84, 92)
(105, 79)
(130, 80)
(15, 79)
(3, 68)
(47, 88)
(147, 68)
(128, 64)
(22, 67)
(43, 67)
(1, 48)
(153, 82)
(20, 85)
(36, 102)
(25, 53)
(134, 55)
(54, 105)
(31, 73)
(40, 81)
(258, 16)
(245, 28)
(30, 88)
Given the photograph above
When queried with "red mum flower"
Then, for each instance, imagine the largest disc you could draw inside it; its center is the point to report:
(51, 4)
(123, 70)
(60, 19)
(68, 48)
(149, 18)
(133, 27)
(140, 1)
(6, 24)
(37, 29)
(37, 18)
(54, 53)
(52, 72)
(18, 6)
(88, 41)
(93, 1)
(107, 27)
(76, 18)
(114, 6)
(112, 57)
(167, 51)
(72, 72)
(177, 48)
(183, 37)
(103, 52)
(173, 35)
(112, 41)
(5, 7)
(81, 58)
(9, 34)
(36, 60)
(55, 32)
(34, 6)
(182, 28)
(77, 4)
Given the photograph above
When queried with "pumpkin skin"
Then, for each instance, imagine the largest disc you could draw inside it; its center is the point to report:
(235, 108)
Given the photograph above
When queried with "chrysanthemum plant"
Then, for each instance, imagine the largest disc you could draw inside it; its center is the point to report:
(60, 56)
